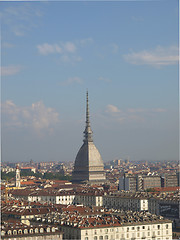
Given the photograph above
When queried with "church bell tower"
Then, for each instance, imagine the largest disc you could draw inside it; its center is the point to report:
(18, 177)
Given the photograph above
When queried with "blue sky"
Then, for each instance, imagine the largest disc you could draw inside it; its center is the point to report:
(124, 52)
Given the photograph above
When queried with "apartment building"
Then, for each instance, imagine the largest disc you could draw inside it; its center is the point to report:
(125, 202)
(55, 197)
(89, 198)
(116, 227)
(19, 231)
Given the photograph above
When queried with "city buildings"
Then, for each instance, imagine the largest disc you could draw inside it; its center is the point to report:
(109, 224)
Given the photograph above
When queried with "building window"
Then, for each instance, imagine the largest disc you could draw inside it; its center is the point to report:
(143, 227)
(101, 238)
(31, 231)
(138, 234)
(138, 228)
(106, 237)
(167, 226)
(95, 238)
(86, 238)
(25, 231)
(127, 235)
(158, 232)
(159, 226)
(14, 232)
(167, 232)
(127, 229)
(148, 233)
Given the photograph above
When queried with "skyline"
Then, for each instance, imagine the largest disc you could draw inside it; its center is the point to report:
(124, 53)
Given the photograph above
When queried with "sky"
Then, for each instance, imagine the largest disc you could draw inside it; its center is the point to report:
(124, 52)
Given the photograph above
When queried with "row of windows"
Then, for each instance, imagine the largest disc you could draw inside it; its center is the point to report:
(124, 236)
(127, 229)
(117, 230)
(27, 231)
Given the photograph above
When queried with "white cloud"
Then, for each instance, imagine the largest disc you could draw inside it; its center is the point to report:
(10, 70)
(37, 116)
(67, 50)
(131, 114)
(60, 48)
(143, 110)
(20, 18)
(136, 110)
(160, 56)
(46, 48)
(69, 47)
(115, 48)
(112, 109)
(70, 59)
(159, 110)
(73, 80)
(86, 41)
(104, 79)
(7, 45)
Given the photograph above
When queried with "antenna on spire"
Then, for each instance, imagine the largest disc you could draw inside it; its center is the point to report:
(87, 110)
(87, 131)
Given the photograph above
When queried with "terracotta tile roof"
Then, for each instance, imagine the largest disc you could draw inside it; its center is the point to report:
(167, 189)
(28, 183)
(31, 211)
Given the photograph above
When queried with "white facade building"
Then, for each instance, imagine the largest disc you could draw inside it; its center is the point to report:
(98, 229)
(57, 198)
(126, 203)
(89, 199)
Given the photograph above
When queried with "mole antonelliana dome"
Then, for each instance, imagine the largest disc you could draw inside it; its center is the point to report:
(88, 165)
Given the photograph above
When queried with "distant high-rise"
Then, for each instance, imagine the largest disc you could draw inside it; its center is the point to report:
(88, 165)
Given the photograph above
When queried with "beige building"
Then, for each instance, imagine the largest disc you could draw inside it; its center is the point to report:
(111, 227)
(25, 215)
(23, 232)
(89, 199)
(125, 203)
(65, 198)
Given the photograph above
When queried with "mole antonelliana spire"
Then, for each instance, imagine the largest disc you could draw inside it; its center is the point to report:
(88, 165)
(87, 131)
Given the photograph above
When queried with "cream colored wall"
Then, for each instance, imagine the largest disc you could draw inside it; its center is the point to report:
(126, 232)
